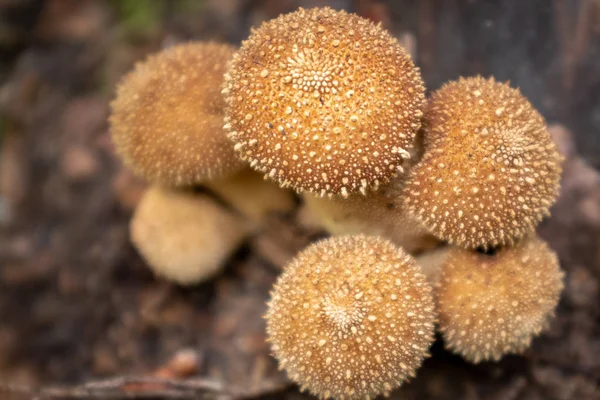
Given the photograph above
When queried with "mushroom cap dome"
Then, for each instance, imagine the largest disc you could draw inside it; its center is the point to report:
(323, 101)
(167, 117)
(183, 236)
(351, 317)
(490, 170)
(492, 305)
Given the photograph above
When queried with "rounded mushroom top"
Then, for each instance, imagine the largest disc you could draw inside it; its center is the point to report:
(490, 170)
(351, 317)
(183, 236)
(167, 117)
(492, 305)
(323, 101)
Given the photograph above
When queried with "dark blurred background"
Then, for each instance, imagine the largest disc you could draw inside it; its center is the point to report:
(76, 301)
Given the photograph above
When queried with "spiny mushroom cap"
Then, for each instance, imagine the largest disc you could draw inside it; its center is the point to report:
(490, 169)
(184, 237)
(377, 214)
(323, 101)
(351, 317)
(492, 305)
(167, 117)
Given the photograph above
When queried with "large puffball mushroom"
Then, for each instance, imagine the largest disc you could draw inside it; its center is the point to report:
(351, 317)
(183, 236)
(324, 102)
(490, 170)
(167, 117)
(378, 214)
(492, 305)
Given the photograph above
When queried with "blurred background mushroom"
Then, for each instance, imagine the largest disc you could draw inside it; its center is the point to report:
(184, 237)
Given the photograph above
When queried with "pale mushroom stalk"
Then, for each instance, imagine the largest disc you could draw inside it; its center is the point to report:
(378, 214)
(253, 196)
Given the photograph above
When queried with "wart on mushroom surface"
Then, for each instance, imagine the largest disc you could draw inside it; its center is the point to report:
(167, 117)
(351, 317)
(490, 170)
(323, 101)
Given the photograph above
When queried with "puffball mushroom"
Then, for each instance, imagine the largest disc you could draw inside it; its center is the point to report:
(351, 317)
(184, 237)
(323, 101)
(377, 214)
(490, 170)
(167, 117)
(492, 305)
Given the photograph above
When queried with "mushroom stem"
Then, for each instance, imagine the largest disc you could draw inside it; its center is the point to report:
(253, 196)
(431, 262)
(377, 214)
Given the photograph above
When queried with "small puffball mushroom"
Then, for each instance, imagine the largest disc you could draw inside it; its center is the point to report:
(490, 170)
(184, 237)
(167, 117)
(378, 214)
(323, 101)
(492, 305)
(351, 317)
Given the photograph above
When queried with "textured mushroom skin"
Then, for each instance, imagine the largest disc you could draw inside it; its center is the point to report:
(492, 305)
(323, 101)
(490, 170)
(167, 117)
(351, 317)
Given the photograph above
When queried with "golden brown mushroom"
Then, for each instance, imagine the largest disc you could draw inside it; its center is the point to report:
(323, 101)
(167, 117)
(351, 317)
(490, 170)
(492, 305)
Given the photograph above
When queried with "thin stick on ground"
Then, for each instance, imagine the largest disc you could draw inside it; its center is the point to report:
(134, 387)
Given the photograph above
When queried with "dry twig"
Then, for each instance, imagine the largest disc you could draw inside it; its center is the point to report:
(144, 388)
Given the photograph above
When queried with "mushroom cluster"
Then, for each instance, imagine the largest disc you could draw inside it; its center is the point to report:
(432, 204)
